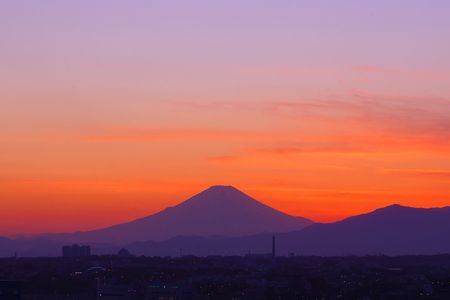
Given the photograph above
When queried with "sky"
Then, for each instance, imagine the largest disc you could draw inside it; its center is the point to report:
(113, 110)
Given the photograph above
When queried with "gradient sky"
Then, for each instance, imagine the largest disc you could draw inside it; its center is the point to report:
(112, 110)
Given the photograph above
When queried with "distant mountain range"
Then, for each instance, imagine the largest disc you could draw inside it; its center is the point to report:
(393, 230)
(225, 221)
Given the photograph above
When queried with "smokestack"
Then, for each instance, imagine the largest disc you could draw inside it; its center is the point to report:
(273, 246)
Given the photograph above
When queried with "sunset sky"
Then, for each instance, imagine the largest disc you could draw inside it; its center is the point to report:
(113, 110)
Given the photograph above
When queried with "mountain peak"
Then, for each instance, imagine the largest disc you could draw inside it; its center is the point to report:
(221, 188)
(223, 196)
(392, 209)
(395, 206)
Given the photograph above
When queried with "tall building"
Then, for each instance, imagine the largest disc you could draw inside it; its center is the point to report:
(273, 246)
(76, 251)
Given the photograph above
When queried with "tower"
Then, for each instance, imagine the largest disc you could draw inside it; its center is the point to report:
(273, 246)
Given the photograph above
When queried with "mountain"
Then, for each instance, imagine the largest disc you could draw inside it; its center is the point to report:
(393, 230)
(27, 247)
(217, 211)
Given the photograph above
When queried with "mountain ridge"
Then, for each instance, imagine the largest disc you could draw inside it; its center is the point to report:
(404, 234)
(390, 230)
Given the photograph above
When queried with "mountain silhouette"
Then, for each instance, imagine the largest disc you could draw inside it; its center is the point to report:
(393, 230)
(217, 211)
(28, 247)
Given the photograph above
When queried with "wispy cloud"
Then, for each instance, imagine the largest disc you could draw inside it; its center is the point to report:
(412, 117)
(314, 148)
(150, 135)
(432, 173)
(360, 122)
(404, 73)
(223, 158)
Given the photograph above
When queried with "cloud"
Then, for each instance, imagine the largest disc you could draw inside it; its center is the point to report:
(223, 158)
(426, 75)
(366, 123)
(432, 173)
(414, 118)
(316, 147)
(358, 122)
(150, 135)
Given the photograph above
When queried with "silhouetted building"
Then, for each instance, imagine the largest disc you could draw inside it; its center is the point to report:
(10, 290)
(273, 246)
(76, 251)
(124, 253)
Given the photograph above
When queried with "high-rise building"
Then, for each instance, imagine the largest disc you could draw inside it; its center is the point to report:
(76, 251)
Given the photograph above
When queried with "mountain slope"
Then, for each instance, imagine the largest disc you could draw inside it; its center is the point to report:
(217, 211)
(393, 230)
(26, 247)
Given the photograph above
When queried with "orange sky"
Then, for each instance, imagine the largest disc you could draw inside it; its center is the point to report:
(118, 117)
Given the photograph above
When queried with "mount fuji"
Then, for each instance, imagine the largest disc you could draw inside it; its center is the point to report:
(219, 211)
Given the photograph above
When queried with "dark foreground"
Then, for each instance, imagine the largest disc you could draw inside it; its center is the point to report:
(251, 277)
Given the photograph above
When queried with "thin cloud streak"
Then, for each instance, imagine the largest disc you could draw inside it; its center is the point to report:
(403, 73)
(142, 135)
(432, 173)
(405, 116)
